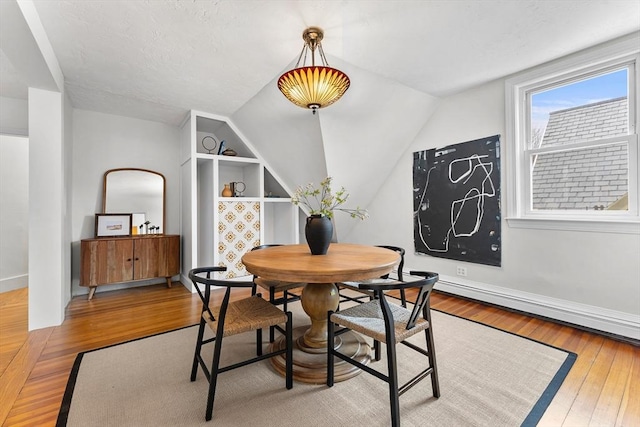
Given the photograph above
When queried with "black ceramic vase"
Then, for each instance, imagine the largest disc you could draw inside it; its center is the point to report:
(318, 232)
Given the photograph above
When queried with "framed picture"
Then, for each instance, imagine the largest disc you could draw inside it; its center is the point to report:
(113, 224)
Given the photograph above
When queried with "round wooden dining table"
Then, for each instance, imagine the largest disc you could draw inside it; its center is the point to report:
(343, 262)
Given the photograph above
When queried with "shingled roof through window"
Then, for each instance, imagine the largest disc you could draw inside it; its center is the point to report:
(592, 178)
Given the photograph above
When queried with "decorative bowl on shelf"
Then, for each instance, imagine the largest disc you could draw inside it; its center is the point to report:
(229, 152)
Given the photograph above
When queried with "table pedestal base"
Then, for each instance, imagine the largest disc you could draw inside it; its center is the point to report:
(310, 363)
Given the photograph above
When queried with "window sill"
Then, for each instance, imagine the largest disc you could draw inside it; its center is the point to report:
(588, 225)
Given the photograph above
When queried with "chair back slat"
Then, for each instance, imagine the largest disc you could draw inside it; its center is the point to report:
(422, 301)
(196, 277)
(401, 264)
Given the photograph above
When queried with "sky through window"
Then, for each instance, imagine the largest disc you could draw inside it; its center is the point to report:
(599, 88)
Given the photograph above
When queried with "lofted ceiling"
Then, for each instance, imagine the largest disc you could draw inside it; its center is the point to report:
(156, 60)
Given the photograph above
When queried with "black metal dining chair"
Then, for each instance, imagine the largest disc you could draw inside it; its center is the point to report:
(392, 324)
(232, 318)
(366, 293)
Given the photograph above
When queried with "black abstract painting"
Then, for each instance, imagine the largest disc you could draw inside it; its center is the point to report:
(456, 201)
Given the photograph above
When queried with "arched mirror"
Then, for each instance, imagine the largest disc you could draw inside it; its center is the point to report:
(137, 191)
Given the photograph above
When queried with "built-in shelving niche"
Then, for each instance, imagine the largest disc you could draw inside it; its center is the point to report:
(221, 131)
(279, 219)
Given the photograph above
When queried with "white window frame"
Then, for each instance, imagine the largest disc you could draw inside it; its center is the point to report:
(622, 52)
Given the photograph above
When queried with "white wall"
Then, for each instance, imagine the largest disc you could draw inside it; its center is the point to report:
(47, 233)
(14, 212)
(67, 217)
(102, 142)
(582, 277)
(14, 116)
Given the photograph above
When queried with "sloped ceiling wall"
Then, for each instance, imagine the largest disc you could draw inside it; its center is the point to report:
(357, 141)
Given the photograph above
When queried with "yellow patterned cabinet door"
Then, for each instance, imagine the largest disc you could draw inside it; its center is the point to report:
(238, 232)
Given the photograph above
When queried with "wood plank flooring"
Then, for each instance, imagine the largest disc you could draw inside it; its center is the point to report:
(602, 389)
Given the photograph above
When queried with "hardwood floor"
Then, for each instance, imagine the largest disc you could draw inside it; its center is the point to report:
(602, 388)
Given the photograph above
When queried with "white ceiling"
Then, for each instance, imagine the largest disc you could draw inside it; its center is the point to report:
(157, 59)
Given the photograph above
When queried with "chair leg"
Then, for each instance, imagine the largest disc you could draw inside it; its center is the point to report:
(376, 351)
(435, 383)
(194, 367)
(330, 344)
(259, 342)
(403, 298)
(289, 353)
(272, 329)
(214, 377)
(394, 398)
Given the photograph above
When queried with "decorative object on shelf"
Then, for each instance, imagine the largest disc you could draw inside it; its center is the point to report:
(221, 149)
(226, 191)
(237, 188)
(204, 145)
(113, 225)
(138, 218)
(321, 202)
(318, 231)
(313, 87)
(229, 152)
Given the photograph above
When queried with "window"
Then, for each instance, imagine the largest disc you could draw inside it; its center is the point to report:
(572, 142)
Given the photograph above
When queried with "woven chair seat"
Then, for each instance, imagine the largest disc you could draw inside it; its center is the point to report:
(245, 315)
(276, 285)
(368, 320)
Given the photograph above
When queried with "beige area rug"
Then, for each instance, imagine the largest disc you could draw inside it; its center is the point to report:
(487, 378)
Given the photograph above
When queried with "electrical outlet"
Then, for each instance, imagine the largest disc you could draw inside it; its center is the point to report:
(461, 271)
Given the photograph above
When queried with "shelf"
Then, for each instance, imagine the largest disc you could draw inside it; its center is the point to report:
(220, 131)
(279, 227)
(231, 159)
(239, 199)
(238, 160)
(272, 186)
(277, 200)
(240, 171)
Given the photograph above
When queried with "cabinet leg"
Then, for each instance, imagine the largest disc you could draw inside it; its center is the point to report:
(168, 282)
(92, 290)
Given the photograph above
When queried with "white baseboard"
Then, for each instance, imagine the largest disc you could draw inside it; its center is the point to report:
(12, 283)
(186, 282)
(598, 318)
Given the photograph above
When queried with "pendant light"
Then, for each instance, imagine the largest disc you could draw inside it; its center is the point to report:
(315, 86)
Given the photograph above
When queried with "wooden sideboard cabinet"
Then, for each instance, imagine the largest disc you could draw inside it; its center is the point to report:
(106, 261)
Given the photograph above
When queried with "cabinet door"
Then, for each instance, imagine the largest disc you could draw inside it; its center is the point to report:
(238, 231)
(169, 256)
(106, 261)
(157, 257)
(146, 259)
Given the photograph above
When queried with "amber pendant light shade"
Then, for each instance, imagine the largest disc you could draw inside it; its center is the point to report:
(315, 86)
